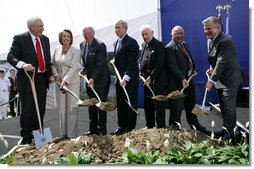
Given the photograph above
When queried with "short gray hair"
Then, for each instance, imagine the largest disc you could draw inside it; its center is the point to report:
(124, 23)
(31, 21)
(146, 26)
(214, 20)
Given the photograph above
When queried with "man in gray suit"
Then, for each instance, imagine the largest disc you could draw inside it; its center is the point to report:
(180, 66)
(94, 57)
(225, 73)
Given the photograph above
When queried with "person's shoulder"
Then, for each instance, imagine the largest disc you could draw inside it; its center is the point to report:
(21, 35)
(74, 49)
(170, 44)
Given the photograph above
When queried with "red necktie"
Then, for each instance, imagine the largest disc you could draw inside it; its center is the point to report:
(39, 54)
(186, 54)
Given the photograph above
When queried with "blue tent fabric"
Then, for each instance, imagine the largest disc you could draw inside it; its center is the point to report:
(189, 15)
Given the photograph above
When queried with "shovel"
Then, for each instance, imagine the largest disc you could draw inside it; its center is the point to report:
(201, 110)
(179, 94)
(87, 102)
(42, 136)
(157, 97)
(104, 106)
(127, 96)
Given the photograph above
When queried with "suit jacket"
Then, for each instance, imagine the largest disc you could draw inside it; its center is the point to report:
(126, 60)
(96, 66)
(156, 64)
(23, 49)
(222, 57)
(12, 91)
(67, 67)
(177, 65)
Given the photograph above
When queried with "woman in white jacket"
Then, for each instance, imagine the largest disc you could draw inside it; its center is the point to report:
(65, 63)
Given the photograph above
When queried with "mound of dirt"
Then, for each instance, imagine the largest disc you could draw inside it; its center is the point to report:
(104, 149)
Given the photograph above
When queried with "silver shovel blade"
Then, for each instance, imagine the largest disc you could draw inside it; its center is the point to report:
(42, 139)
(201, 110)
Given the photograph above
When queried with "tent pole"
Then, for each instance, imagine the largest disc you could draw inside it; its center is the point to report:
(159, 20)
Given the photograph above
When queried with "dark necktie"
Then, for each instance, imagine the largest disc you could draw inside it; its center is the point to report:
(186, 54)
(119, 45)
(87, 50)
(145, 58)
(39, 55)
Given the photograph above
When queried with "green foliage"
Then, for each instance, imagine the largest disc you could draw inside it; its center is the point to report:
(191, 153)
(133, 157)
(7, 160)
(74, 158)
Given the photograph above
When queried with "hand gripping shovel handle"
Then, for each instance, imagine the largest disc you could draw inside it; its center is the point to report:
(31, 79)
(119, 78)
(194, 74)
(143, 79)
(127, 96)
(68, 90)
(85, 77)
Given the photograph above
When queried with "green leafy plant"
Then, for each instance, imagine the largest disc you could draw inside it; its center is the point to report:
(74, 158)
(7, 160)
(133, 157)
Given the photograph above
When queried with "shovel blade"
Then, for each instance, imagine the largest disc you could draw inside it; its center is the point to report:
(42, 139)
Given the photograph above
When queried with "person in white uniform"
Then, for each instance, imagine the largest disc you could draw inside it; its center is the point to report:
(4, 93)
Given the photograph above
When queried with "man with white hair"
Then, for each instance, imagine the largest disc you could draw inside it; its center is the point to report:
(180, 67)
(152, 68)
(30, 51)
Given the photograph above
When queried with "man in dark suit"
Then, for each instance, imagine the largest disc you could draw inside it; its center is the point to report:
(13, 91)
(152, 68)
(180, 66)
(94, 57)
(23, 56)
(126, 60)
(225, 72)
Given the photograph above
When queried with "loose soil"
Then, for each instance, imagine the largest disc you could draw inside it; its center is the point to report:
(105, 149)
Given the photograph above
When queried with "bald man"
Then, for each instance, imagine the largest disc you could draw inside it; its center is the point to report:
(152, 68)
(180, 66)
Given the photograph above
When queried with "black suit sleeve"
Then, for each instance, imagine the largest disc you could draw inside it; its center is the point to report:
(224, 56)
(160, 57)
(132, 53)
(101, 59)
(14, 54)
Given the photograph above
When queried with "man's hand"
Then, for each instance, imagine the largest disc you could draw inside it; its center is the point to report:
(91, 83)
(148, 80)
(209, 85)
(209, 72)
(185, 83)
(123, 83)
(28, 67)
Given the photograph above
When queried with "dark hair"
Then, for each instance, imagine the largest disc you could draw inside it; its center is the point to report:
(61, 33)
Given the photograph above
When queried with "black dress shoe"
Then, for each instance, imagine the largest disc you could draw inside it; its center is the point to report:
(118, 131)
(65, 137)
(26, 141)
(91, 133)
(218, 134)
